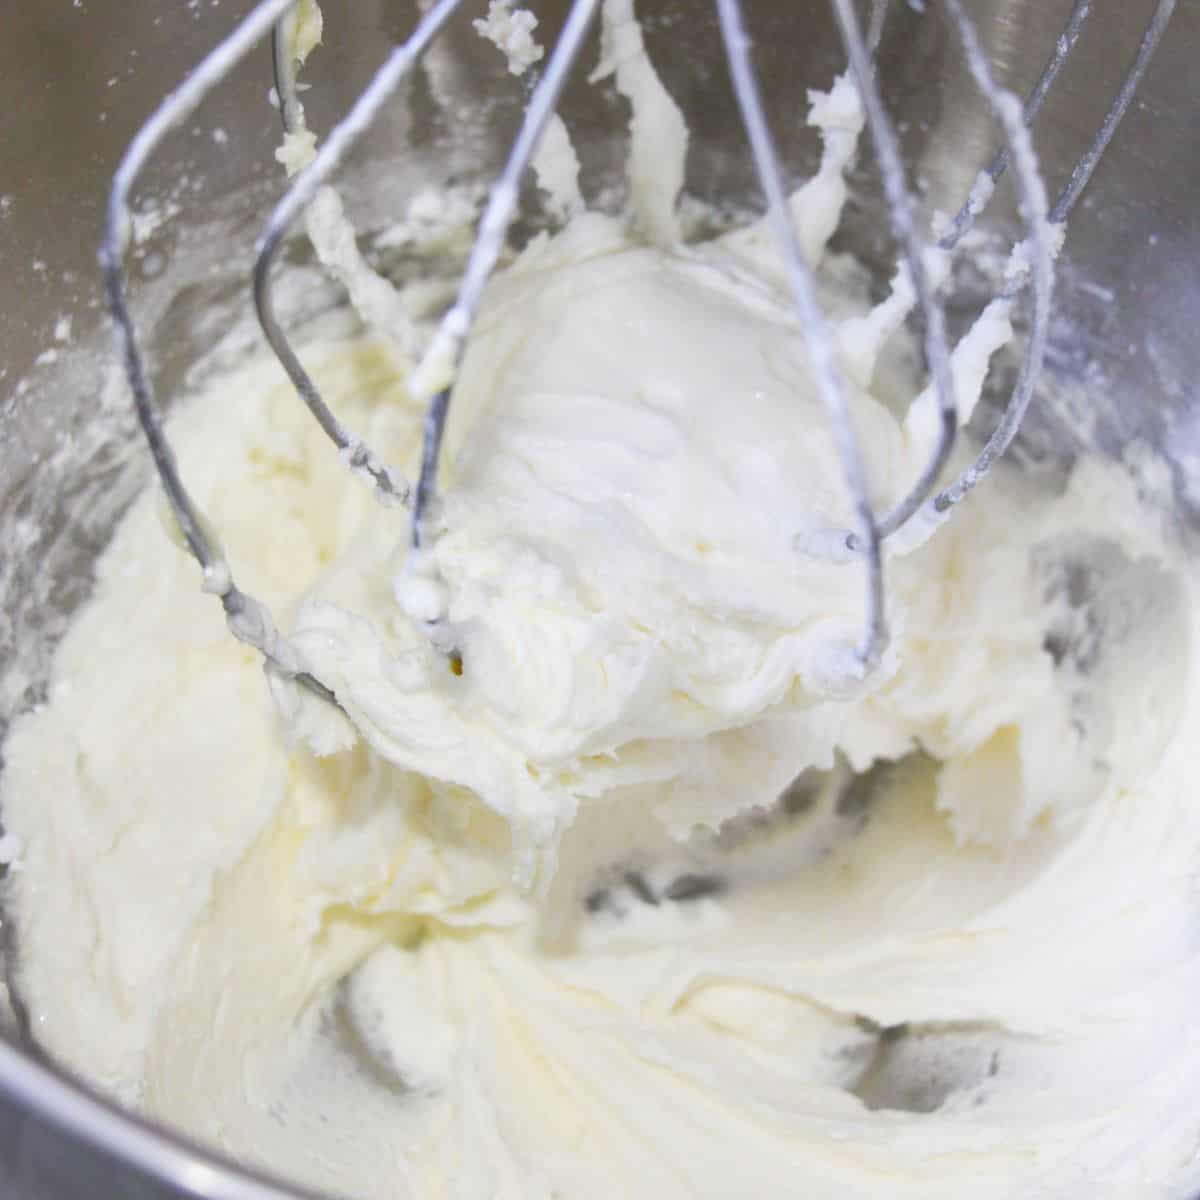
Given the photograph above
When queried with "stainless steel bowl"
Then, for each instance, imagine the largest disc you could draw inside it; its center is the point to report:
(78, 76)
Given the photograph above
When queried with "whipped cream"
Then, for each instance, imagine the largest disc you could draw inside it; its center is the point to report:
(644, 900)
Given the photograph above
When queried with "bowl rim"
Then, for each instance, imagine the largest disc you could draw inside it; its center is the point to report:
(72, 1107)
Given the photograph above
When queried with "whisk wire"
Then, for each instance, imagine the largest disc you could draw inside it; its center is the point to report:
(174, 109)
(286, 90)
(339, 143)
(1010, 423)
(815, 327)
(437, 370)
(901, 209)
(1086, 166)
(964, 219)
(247, 618)
(879, 9)
(1035, 210)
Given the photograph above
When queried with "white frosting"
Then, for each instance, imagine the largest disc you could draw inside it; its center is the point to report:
(658, 134)
(645, 901)
(511, 31)
(1025, 908)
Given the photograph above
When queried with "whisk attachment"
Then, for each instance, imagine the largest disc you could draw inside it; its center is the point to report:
(921, 508)
(247, 618)
(339, 143)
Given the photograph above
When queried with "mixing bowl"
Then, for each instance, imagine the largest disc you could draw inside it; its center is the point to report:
(76, 79)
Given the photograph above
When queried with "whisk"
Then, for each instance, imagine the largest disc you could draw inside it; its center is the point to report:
(433, 382)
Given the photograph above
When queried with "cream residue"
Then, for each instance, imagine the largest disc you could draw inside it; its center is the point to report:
(511, 31)
(637, 904)
(267, 938)
(329, 229)
(554, 161)
(657, 131)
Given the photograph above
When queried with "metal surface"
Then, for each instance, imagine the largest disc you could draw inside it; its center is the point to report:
(76, 82)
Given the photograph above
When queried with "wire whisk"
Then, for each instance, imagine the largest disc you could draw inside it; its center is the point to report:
(917, 283)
